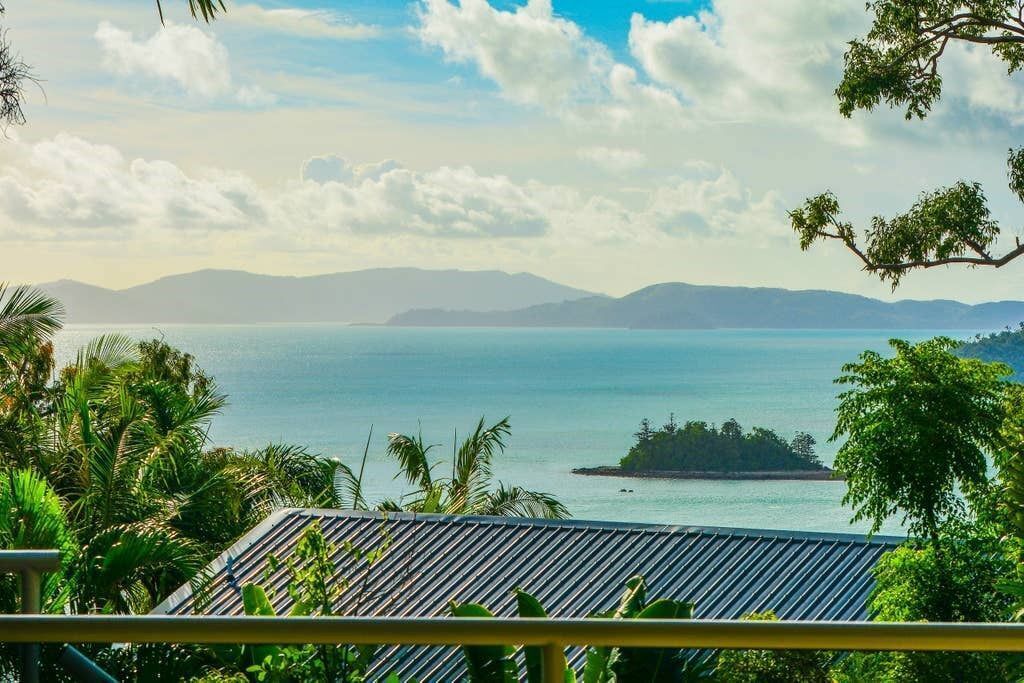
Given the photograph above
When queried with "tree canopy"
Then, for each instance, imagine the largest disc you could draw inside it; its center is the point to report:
(919, 427)
(898, 63)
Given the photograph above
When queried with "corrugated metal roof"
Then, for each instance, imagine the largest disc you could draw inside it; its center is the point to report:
(573, 567)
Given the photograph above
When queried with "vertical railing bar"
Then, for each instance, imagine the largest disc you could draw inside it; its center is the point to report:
(553, 666)
(31, 603)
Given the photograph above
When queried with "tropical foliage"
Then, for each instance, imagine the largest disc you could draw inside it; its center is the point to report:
(499, 664)
(938, 441)
(699, 447)
(314, 589)
(773, 666)
(115, 451)
(955, 578)
(919, 428)
(109, 460)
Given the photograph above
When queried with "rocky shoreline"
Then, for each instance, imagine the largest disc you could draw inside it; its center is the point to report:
(797, 475)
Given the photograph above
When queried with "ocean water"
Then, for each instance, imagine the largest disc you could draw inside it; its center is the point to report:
(575, 397)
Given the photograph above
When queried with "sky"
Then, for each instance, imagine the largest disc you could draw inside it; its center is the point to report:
(605, 145)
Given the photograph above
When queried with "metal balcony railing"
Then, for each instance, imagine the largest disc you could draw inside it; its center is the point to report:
(553, 635)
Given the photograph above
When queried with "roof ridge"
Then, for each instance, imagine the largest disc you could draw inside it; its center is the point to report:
(601, 524)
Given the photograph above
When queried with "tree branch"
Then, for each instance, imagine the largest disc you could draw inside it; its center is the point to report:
(983, 259)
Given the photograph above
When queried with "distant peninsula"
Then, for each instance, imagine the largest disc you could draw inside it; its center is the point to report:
(684, 306)
(697, 450)
(1002, 347)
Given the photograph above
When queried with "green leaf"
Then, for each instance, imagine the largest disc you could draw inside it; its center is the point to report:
(528, 606)
(633, 599)
(256, 602)
(657, 665)
(486, 663)
(667, 609)
(598, 666)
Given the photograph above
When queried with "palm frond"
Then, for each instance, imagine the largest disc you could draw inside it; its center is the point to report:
(411, 454)
(205, 9)
(476, 453)
(32, 514)
(349, 488)
(301, 478)
(390, 505)
(515, 501)
(27, 312)
(148, 557)
(109, 351)
(33, 518)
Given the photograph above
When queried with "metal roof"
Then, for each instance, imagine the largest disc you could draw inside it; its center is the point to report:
(573, 567)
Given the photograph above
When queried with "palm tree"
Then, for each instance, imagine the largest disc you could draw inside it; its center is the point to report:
(145, 494)
(120, 441)
(469, 489)
(28, 318)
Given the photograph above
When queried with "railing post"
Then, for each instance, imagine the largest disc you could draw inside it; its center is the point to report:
(30, 564)
(553, 670)
(31, 603)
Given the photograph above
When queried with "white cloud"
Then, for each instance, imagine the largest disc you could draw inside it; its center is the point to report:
(68, 184)
(729, 63)
(386, 198)
(613, 159)
(70, 189)
(534, 56)
(778, 63)
(311, 23)
(184, 56)
(976, 76)
(333, 168)
(709, 201)
(255, 96)
(538, 58)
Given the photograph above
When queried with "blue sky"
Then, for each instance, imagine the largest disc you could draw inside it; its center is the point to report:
(604, 145)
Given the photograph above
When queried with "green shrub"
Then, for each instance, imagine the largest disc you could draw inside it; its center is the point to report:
(773, 666)
(953, 579)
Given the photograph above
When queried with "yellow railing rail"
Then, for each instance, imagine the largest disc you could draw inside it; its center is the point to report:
(551, 634)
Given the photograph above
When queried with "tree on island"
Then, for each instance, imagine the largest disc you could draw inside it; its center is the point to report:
(645, 433)
(1006, 346)
(803, 445)
(897, 63)
(699, 447)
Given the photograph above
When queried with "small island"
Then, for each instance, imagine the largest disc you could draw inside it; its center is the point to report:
(697, 450)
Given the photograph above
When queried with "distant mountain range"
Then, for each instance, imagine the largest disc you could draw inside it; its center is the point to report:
(684, 306)
(365, 296)
(455, 298)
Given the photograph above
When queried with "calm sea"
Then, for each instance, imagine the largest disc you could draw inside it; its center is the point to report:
(574, 397)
